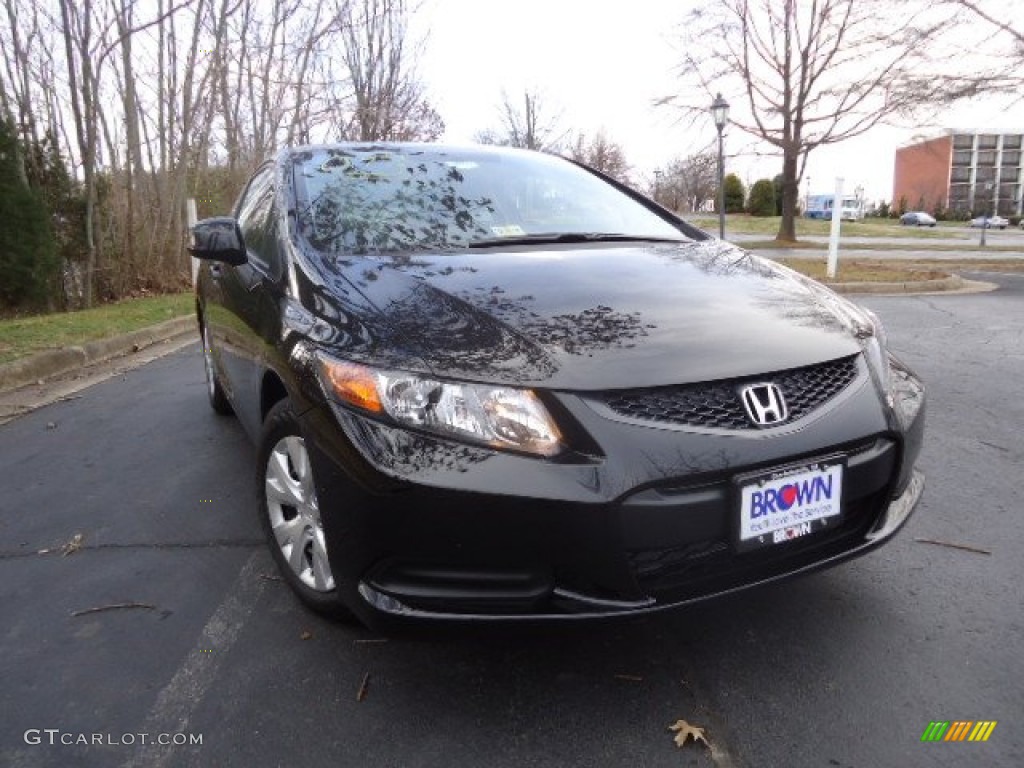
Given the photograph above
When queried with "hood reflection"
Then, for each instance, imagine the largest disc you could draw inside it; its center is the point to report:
(570, 316)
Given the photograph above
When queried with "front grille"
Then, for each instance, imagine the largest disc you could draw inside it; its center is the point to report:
(717, 403)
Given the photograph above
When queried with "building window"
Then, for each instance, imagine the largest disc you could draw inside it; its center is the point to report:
(1011, 157)
(963, 157)
(1007, 206)
(963, 141)
(1011, 141)
(959, 197)
(960, 173)
(982, 175)
(988, 141)
(987, 157)
(1010, 175)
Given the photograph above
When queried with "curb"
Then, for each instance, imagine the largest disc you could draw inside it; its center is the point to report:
(951, 283)
(44, 365)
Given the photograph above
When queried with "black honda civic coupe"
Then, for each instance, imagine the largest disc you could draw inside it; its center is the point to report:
(492, 384)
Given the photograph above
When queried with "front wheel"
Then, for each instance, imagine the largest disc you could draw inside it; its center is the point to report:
(290, 513)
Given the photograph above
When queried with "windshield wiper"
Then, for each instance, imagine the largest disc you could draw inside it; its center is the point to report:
(545, 238)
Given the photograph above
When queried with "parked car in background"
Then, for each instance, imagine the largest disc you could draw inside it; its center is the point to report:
(917, 219)
(487, 383)
(990, 222)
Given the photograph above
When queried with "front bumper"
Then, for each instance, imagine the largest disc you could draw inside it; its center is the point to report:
(420, 528)
(563, 604)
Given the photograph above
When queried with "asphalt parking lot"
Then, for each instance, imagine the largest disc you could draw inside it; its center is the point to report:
(843, 668)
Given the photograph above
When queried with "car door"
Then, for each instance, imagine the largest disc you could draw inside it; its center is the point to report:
(247, 324)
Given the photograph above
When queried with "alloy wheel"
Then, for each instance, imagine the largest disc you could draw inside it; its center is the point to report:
(295, 514)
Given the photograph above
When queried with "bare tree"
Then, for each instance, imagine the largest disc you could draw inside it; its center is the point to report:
(422, 123)
(156, 102)
(1004, 42)
(805, 75)
(77, 29)
(381, 64)
(23, 34)
(687, 183)
(530, 127)
(602, 154)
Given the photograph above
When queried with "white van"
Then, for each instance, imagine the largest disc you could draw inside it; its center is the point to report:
(820, 207)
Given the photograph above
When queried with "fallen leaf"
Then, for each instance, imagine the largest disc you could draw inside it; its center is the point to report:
(951, 545)
(51, 425)
(363, 688)
(306, 634)
(113, 607)
(72, 546)
(685, 731)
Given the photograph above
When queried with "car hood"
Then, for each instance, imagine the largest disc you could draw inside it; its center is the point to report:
(585, 317)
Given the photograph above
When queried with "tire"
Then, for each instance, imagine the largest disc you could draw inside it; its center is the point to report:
(290, 514)
(214, 391)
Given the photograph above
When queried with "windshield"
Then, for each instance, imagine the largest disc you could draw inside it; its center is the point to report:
(370, 199)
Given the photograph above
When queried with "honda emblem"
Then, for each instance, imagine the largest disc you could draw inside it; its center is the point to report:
(765, 404)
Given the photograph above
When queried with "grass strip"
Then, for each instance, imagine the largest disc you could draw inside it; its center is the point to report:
(22, 336)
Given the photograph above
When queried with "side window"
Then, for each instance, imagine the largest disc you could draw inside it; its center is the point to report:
(257, 221)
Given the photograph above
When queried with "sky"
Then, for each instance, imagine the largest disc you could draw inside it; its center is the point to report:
(601, 64)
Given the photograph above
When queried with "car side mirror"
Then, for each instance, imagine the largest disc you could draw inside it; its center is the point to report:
(218, 239)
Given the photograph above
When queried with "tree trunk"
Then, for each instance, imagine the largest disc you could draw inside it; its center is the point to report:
(790, 194)
(82, 104)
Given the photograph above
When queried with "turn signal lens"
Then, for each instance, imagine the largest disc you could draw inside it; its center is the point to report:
(352, 383)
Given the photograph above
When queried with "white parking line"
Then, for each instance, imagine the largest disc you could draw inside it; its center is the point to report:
(178, 700)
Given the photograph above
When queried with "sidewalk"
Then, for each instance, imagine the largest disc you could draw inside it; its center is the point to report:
(821, 251)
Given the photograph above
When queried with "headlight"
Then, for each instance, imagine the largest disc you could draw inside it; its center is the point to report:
(876, 348)
(500, 417)
(901, 389)
(906, 395)
(903, 392)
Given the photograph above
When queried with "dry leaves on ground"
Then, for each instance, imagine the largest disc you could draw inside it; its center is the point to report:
(686, 731)
(73, 546)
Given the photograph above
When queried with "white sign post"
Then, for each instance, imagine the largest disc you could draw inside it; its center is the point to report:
(191, 218)
(833, 239)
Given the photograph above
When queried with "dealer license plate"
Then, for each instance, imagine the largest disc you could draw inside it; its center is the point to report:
(786, 504)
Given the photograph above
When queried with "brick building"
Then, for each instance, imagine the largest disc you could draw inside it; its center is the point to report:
(968, 173)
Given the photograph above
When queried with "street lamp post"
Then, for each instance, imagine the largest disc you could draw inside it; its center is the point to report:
(720, 113)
